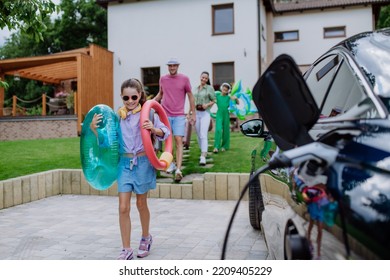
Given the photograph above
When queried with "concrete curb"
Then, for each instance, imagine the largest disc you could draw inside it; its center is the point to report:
(213, 186)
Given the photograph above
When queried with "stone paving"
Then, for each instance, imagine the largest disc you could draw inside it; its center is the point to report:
(85, 227)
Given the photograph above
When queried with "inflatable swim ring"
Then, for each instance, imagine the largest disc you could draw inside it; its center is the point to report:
(246, 105)
(240, 110)
(166, 157)
(100, 156)
(313, 194)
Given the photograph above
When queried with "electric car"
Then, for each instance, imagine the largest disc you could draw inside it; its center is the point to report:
(332, 129)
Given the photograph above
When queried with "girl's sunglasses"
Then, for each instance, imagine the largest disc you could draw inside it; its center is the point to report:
(133, 97)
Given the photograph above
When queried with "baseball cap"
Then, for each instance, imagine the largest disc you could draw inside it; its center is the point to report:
(173, 61)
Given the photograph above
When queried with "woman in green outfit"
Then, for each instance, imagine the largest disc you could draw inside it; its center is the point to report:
(222, 123)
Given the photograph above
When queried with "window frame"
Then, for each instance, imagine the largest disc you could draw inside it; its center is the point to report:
(286, 40)
(215, 8)
(333, 29)
(153, 85)
(215, 78)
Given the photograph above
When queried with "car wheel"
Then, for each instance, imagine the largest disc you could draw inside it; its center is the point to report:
(296, 247)
(256, 204)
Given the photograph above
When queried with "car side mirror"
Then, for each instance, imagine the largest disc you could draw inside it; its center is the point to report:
(253, 128)
(285, 103)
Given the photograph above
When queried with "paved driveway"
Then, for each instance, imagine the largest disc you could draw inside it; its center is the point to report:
(77, 227)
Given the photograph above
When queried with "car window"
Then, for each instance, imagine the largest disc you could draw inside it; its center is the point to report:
(337, 91)
(320, 76)
(347, 97)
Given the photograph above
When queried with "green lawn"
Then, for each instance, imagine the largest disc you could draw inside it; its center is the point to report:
(25, 157)
(236, 159)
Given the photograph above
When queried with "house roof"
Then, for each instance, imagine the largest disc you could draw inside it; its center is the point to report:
(104, 3)
(52, 68)
(301, 5)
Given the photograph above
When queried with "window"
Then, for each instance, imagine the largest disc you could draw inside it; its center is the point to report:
(347, 97)
(223, 19)
(223, 73)
(321, 76)
(285, 36)
(334, 32)
(328, 67)
(337, 91)
(151, 79)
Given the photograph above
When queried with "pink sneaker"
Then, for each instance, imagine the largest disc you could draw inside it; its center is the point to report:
(144, 246)
(126, 255)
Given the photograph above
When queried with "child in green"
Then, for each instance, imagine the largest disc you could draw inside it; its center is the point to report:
(222, 123)
(266, 148)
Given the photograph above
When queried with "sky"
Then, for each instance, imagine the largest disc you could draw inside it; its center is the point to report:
(5, 33)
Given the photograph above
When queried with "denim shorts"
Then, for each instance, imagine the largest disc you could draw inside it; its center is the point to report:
(315, 211)
(178, 125)
(140, 179)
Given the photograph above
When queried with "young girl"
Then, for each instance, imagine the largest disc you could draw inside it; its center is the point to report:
(222, 123)
(204, 96)
(316, 198)
(135, 174)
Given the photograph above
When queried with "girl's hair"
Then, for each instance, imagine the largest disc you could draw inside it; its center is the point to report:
(208, 75)
(135, 83)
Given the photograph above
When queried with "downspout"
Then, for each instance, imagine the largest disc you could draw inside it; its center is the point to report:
(259, 34)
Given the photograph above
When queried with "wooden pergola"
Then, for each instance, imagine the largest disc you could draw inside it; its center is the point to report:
(91, 67)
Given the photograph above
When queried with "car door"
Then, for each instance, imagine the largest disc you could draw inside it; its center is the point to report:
(351, 116)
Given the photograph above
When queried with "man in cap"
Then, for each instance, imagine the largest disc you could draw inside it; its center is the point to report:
(173, 90)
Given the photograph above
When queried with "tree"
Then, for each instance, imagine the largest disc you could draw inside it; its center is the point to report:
(82, 22)
(27, 16)
(79, 23)
(20, 44)
(384, 17)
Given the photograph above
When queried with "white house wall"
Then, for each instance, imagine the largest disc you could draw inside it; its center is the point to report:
(263, 33)
(311, 43)
(148, 33)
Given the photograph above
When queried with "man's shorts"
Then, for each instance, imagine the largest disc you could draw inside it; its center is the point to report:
(178, 125)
